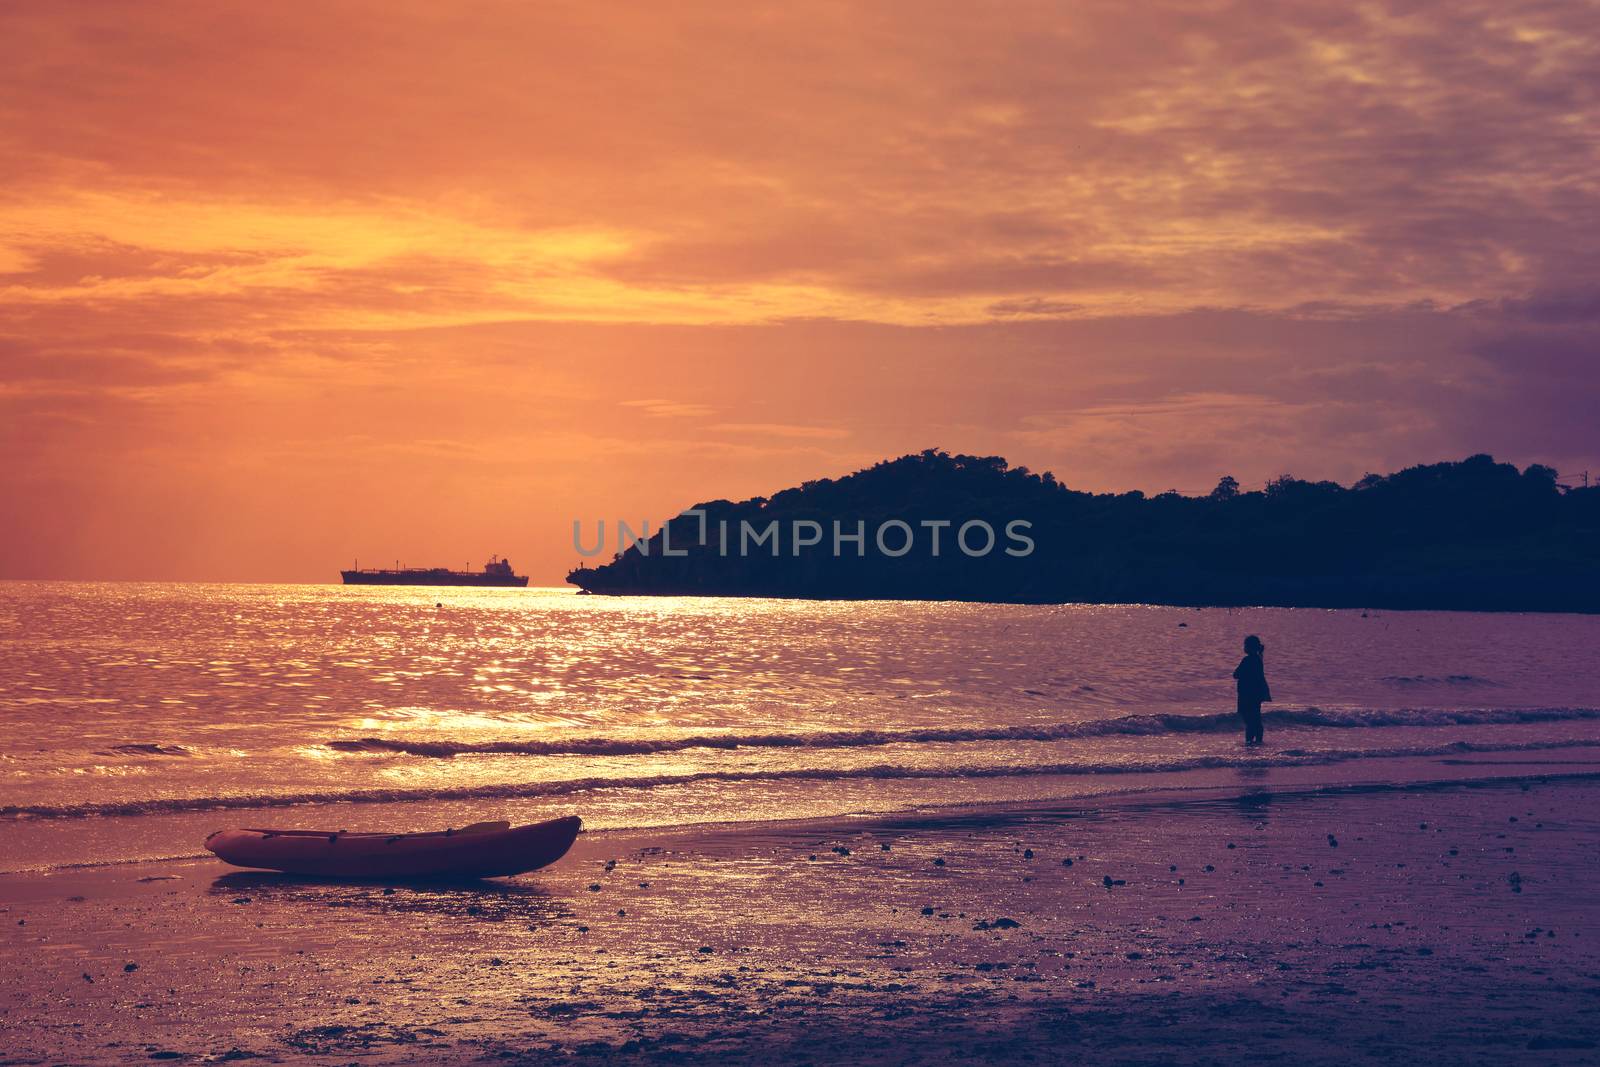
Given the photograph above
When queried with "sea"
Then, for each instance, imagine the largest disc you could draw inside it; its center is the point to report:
(140, 717)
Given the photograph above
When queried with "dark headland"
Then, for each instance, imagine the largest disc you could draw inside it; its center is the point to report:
(1472, 535)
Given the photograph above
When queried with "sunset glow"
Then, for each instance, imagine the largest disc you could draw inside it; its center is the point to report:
(284, 285)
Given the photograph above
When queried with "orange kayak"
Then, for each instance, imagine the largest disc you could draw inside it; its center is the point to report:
(483, 850)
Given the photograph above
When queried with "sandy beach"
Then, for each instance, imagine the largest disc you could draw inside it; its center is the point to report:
(837, 534)
(1444, 923)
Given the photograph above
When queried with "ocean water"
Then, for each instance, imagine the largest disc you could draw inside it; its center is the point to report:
(139, 715)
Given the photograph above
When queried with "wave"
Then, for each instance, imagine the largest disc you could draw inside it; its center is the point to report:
(150, 749)
(121, 861)
(529, 790)
(1128, 725)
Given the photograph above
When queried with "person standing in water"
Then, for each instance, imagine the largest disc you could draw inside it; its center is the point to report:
(1251, 676)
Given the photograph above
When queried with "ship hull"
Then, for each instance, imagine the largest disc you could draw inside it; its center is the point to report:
(457, 578)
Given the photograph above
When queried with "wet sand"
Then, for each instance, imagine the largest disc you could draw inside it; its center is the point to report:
(1437, 924)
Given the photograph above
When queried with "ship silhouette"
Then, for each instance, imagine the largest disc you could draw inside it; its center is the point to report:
(497, 572)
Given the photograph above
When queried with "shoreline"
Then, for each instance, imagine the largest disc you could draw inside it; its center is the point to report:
(1062, 792)
(642, 592)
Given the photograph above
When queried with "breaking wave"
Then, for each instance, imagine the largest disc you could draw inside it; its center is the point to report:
(518, 790)
(150, 749)
(1129, 725)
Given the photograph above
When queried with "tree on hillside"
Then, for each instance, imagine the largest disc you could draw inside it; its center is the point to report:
(1474, 534)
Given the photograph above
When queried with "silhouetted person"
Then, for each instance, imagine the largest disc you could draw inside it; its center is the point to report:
(1251, 676)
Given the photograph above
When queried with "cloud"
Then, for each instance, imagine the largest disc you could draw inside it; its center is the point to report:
(668, 408)
(778, 429)
(1032, 305)
(438, 251)
(557, 162)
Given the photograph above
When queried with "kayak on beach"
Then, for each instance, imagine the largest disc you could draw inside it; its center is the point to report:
(482, 850)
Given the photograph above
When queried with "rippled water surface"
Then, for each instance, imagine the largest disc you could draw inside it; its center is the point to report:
(129, 699)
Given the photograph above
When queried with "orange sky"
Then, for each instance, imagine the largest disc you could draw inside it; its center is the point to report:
(285, 284)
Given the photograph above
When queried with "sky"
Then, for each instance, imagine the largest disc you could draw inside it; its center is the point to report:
(283, 285)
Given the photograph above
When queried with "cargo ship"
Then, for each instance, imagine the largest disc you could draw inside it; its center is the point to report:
(497, 572)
